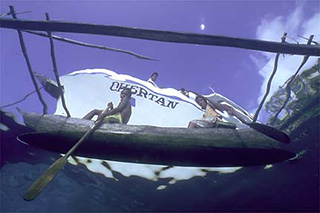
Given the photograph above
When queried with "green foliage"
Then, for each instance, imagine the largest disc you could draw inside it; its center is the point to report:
(303, 102)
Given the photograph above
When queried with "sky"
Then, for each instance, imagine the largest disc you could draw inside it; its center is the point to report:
(238, 74)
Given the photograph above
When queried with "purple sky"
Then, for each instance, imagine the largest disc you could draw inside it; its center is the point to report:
(229, 71)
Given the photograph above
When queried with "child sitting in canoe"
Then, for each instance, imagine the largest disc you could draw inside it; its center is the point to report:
(121, 114)
(211, 118)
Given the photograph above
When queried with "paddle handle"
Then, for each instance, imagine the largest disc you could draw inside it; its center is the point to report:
(88, 133)
(83, 138)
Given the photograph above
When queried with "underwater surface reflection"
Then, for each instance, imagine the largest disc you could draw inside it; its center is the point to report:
(287, 186)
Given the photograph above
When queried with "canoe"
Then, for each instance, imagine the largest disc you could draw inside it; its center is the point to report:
(155, 145)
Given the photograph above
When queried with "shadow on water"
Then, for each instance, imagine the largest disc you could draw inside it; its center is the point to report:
(287, 186)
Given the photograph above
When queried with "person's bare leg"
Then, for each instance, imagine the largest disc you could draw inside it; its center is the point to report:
(192, 125)
(92, 113)
(114, 121)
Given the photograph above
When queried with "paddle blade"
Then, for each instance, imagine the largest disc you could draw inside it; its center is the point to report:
(271, 132)
(36, 188)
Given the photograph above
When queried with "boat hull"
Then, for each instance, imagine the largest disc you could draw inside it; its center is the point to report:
(155, 145)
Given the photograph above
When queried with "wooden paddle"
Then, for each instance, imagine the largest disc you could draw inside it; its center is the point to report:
(265, 129)
(262, 128)
(270, 132)
(36, 188)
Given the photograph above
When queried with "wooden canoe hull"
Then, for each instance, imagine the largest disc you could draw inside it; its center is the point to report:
(155, 145)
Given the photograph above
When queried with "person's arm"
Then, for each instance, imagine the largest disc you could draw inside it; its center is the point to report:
(122, 105)
(238, 114)
(217, 106)
(232, 111)
(110, 106)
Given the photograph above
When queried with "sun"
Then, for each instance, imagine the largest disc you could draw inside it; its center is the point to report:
(202, 26)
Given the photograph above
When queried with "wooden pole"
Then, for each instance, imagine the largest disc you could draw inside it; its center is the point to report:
(71, 41)
(24, 50)
(55, 69)
(164, 36)
(288, 89)
(255, 117)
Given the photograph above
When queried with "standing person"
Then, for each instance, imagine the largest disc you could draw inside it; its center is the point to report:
(121, 114)
(153, 79)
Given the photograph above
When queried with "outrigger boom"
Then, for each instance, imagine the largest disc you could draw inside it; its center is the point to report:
(164, 36)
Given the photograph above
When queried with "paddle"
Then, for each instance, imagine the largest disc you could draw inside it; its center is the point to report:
(270, 132)
(262, 128)
(36, 188)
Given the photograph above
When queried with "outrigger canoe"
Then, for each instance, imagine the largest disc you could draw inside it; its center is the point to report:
(154, 145)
